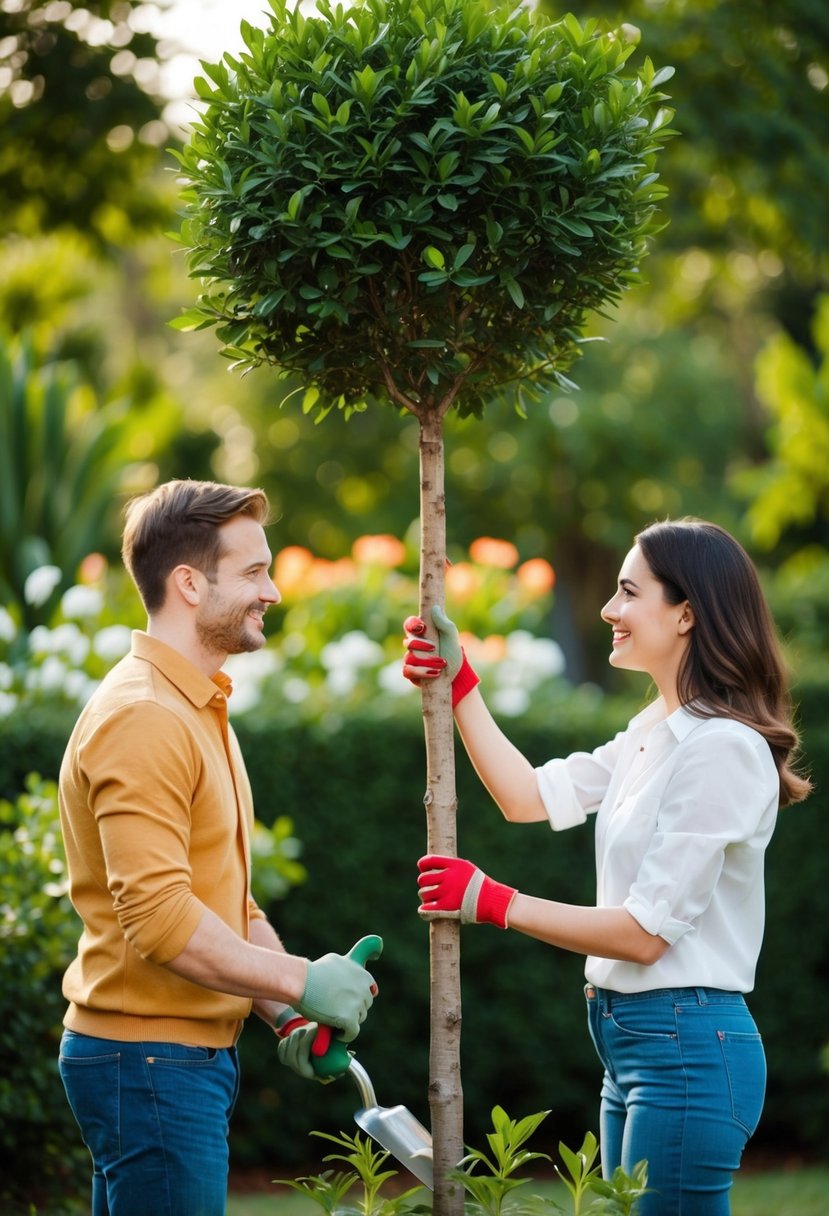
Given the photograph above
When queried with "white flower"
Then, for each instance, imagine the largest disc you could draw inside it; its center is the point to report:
(528, 661)
(8, 629)
(8, 704)
(248, 671)
(512, 702)
(391, 680)
(112, 642)
(80, 603)
(354, 649)
(52, 674)
(295, 690)
(40, 584)
(6, 677)
(68, 640)
(341, 681)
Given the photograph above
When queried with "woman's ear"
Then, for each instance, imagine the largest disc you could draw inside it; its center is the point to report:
(687, 619)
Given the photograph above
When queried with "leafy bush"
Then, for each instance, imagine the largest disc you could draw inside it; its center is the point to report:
(43, 1158)
(419, 204)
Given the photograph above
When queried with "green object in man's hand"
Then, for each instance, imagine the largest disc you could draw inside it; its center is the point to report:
(339, 991)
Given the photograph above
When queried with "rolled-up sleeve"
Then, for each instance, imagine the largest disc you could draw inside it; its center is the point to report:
(573, 788)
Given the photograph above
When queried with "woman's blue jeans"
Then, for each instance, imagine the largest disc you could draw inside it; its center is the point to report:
(684, 1083)
(155, 1118)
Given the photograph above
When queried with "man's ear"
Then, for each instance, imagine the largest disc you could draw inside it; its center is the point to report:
(186, 581)
(687, 619)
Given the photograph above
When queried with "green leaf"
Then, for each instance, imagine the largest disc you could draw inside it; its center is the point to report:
(516, 294)
(434, 258)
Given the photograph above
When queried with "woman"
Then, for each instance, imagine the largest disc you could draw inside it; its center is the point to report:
(685, 801)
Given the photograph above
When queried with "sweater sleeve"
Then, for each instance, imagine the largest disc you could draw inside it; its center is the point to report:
(142, 767)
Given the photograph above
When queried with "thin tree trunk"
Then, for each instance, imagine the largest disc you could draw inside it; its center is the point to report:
(445, 1090)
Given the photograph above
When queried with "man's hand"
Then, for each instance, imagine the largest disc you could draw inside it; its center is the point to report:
(296, 1040)
(339, 991)
(421, 663)
(457, 889)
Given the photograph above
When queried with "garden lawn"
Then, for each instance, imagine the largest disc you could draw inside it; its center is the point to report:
(796, 1192)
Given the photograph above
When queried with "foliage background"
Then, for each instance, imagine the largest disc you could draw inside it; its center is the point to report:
(710, 396)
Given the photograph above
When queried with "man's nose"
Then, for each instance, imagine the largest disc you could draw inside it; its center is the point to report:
(270, 592)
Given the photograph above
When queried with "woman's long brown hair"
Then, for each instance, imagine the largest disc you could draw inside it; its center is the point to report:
(733, 667)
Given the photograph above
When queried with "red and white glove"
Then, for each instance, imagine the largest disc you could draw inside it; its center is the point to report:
(458, 889)
(421, 663)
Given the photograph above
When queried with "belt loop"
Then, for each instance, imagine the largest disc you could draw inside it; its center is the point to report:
(702, 996)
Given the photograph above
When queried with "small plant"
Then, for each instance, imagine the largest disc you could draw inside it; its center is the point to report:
(591, 1195)
(366, 1163)
(489, 1193)
(506, 1143)
(617, 1197)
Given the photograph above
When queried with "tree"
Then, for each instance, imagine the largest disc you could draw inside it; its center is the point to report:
(80, 133)
(421, 205)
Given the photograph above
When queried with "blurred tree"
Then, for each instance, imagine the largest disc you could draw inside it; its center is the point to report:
(752, 86)
(789, 493)
(81, 117)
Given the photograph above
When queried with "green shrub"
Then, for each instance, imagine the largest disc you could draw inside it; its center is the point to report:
(43, 1158)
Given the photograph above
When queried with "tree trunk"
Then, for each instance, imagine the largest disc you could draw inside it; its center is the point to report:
(445, 1090)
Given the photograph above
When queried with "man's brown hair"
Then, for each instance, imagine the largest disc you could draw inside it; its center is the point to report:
(179, 523)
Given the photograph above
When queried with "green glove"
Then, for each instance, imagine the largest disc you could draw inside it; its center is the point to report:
(449, 642)
(338, 990)
(294, 1051)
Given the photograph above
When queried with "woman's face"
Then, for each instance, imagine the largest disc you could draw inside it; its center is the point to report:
(649, 634)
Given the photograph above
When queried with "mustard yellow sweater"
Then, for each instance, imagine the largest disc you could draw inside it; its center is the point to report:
(156, 812)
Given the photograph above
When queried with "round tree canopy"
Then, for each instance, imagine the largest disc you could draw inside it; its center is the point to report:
(419, 201)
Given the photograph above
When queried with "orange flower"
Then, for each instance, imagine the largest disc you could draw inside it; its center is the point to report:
(93, 568)
(291, 566)
(491, 552)
(382, 550)
(328, 574)
(486, 650)
(536, 576)
(462, 580)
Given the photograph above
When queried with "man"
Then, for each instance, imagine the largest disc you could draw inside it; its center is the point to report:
(156, 812)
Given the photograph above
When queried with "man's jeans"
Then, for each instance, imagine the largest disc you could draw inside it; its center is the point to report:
(155, 1118)
(684, 1084)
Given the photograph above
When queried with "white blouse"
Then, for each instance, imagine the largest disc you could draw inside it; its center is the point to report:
(684, 807)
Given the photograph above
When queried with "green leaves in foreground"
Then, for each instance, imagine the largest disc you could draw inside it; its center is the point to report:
(410, 201)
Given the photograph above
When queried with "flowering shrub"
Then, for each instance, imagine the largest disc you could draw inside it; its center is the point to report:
(335, 643)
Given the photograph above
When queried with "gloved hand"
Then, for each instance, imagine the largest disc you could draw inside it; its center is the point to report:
(296, 1039)
(459, 889)
(421, 663)
(338, 990)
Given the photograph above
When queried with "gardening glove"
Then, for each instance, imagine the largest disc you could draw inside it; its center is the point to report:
(296, 1040)
(457, 889)
(339, 991)
(421, 663)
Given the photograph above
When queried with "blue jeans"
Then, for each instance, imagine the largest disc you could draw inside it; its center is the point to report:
(684, 1083)
(154, 1117)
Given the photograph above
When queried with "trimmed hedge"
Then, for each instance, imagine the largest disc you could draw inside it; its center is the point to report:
(354, 793)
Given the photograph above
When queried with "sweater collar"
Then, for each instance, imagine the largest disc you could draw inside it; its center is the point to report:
(191, 683)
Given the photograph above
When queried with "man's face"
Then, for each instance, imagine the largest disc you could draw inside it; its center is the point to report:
(230, 619)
